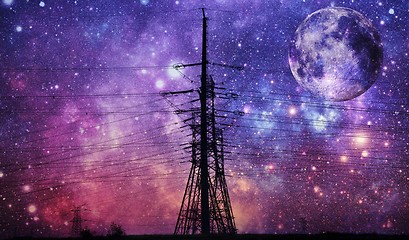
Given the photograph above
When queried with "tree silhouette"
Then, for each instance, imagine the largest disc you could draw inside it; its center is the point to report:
(115, 230)
(86, 233)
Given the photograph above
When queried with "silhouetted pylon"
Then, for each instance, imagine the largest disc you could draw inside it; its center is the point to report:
(77, 221)
(206, 207)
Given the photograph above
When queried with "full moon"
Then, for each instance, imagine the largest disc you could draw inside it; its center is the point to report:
(336, 54)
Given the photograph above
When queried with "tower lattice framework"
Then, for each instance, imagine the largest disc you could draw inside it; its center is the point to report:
(221, 219)
(206, 207)
(76, 222)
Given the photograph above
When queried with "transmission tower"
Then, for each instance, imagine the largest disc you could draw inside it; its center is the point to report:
(77, 221)
(206, 207)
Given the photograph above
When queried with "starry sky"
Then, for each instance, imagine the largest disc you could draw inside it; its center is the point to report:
(85, 121)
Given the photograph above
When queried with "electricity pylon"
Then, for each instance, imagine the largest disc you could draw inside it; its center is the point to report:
(206, 207)
(77, 221)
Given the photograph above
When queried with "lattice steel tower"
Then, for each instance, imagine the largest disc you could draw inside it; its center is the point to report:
(76, 222)
(206, 207)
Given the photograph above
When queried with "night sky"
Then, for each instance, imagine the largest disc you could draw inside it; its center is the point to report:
(84, 123)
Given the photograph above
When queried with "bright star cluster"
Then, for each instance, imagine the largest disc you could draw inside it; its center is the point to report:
(97, 103)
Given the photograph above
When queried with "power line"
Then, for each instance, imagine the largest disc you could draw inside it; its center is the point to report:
(70, 69)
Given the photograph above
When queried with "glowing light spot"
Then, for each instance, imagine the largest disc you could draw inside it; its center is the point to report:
(280, 226)
(344, 159)
(382, 22)
(144, 2)
(269, 167)
(42, 4)
(360, 201)
(317, 189)
(26, 188)
(160, 84)
(1, 174)
(314, 168)
(173, 73)
(8, 2)
(19, 28)
(365, 153)
(246, 109)
(292, 111)
(391, 11)
(32, 208)
(360, 139)
(36, 219)
(386, 144)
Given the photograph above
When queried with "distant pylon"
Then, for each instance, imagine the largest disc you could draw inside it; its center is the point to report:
(77, 221)
(206, 207)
